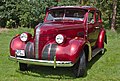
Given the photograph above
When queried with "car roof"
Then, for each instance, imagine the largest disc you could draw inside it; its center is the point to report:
(80, 7)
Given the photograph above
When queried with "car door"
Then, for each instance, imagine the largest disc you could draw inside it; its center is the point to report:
(93, 28)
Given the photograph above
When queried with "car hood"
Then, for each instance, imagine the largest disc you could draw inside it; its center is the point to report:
(46, 32)
(60, 25)
(54, 28)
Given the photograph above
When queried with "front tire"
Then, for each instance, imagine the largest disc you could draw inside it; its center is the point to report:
(22, 66)
(79, 68)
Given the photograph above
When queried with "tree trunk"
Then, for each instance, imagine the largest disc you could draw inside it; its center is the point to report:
(114, 15)
(81, 2)
(109, 17)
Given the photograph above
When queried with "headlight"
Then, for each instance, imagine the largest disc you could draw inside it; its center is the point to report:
(23, 37)
(59, 38)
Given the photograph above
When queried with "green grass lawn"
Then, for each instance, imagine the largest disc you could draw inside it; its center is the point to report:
(102, 68)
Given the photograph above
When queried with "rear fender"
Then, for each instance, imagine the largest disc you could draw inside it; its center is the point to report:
(101, 38)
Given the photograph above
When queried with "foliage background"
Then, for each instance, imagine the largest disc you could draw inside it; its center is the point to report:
(28, 13)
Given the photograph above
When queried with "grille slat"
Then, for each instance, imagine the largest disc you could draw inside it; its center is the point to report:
(53, 51)
(45, 52)
(29, 51)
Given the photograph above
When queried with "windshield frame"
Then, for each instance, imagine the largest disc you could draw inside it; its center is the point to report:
(83, 11)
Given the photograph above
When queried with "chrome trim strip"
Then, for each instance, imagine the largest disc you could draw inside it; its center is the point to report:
(37, 36)
(42, 62)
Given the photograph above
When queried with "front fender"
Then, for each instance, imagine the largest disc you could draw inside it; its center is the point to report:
(16, 44)
(70, 51)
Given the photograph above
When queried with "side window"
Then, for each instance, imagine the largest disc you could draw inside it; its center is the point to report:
(91, 17)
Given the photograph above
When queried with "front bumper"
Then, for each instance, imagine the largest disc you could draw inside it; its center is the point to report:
(42, 62)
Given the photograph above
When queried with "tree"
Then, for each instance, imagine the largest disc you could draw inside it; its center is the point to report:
(7, 11)
(118, 15)
(114, 15)
(28, 13)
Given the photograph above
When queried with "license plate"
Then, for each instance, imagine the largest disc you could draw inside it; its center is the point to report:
(20, 52)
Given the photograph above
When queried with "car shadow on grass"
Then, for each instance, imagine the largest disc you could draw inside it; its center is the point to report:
(57, 73)
(48, 72)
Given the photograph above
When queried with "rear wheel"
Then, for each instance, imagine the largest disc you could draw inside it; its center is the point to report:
(79, 68)
(22, 66)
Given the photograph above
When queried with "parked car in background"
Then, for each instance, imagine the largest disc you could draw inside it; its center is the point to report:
(70, 36)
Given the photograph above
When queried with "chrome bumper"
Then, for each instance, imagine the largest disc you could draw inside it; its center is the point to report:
(42, 62)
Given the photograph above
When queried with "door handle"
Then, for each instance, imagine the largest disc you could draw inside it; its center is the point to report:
(97, 27)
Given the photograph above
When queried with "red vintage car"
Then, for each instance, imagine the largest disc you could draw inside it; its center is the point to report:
(69, 37)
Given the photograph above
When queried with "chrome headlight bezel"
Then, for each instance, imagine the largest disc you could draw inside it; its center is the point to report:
(23, 37)
(59, 39)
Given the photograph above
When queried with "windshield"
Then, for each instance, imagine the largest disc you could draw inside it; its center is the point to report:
(69, 14)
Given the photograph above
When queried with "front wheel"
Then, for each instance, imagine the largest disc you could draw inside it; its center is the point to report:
(79, 68)
(22, 66)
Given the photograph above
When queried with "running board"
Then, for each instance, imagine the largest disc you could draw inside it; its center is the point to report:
(96, 51)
